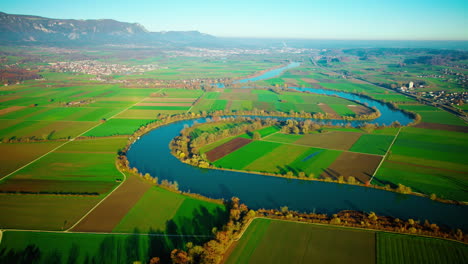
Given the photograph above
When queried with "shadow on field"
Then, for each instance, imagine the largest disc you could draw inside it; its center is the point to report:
(193, 226)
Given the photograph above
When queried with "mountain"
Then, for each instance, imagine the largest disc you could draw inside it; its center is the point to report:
(41, 30)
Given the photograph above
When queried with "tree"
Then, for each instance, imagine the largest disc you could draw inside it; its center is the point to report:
(373, 217)
(154, 260)
(179, 256)
(352, 180)
(368, 128)
(256, 136)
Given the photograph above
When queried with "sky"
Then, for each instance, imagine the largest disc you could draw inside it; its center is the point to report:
(310, 19)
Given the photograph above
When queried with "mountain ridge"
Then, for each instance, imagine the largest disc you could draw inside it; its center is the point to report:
(36, 29)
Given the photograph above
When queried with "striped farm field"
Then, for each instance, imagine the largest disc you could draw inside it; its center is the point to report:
(226, 148)
(20, 154)
(405, 249)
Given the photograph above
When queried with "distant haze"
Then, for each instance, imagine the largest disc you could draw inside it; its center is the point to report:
(323, 19)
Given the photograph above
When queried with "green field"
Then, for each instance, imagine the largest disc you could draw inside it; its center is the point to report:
(283, 138)
(428, 161)
(245, 155)
(275, 241)
(441, 117)
(164, 211)
(117, 126)
(372, 144)
(38, 247)
(277, 161)
(402, 249)
(72, 166)
(314, 161)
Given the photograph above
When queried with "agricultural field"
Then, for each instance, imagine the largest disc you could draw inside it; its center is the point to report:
(396, 248)
(165, 211)
(39, 247)
(60, 135)
(266, 100)
(428, 161)
(263, 241)
(330, 153)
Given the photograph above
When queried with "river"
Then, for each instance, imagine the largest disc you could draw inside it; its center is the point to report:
(151, 154)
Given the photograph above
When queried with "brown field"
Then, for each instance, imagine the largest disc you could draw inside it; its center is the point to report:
(241, 90)
(8, 98)
(436, 126)
(327, 109)
(360, 166)
(290, 82)
(63, 129)
(226, 148)
(49, 186)
(330, 140)
(360, 109)
(16, 155)
(109, 213)
(309, 80)
(164, 99)
(165, 104)
(11, 109)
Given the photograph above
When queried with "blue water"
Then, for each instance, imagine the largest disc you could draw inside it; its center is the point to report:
(151, 154)
(269, 74)
(312, 155)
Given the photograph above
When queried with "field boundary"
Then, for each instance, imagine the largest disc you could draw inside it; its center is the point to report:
(66, 142)
(294, 144)
(99, 233)
(385, 156)
(100, 202)
(346, 227)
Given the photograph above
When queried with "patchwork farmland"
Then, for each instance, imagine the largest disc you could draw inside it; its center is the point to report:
(68, 193)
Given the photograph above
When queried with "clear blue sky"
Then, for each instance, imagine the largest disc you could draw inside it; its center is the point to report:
(315, 19)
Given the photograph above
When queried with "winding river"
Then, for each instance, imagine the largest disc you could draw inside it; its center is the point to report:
(151, 154)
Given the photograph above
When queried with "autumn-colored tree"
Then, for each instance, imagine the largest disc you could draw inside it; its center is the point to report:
(179, 257)
(155, 260)
(256, 136)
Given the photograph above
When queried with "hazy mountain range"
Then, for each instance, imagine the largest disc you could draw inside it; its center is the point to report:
(41, 30)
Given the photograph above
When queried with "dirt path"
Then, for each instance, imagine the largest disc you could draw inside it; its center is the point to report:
(385, 156)
(107, 214)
